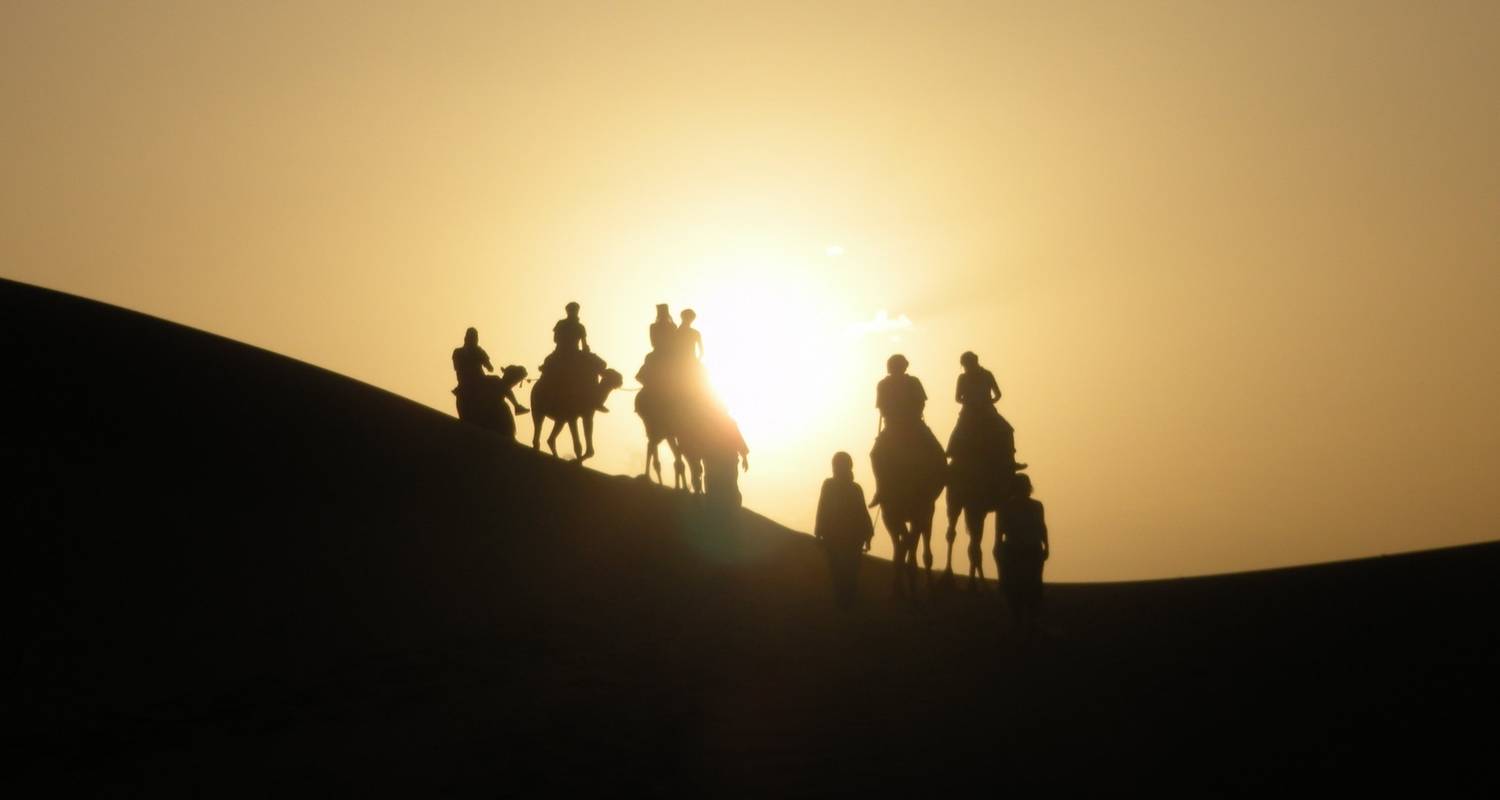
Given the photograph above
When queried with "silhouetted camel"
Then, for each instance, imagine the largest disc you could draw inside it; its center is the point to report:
(553, 398)
(482, 401)
(910, 473)
(657, 414)
(975, 490)
(674, 393)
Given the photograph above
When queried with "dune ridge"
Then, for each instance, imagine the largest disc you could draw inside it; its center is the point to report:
(233, 571)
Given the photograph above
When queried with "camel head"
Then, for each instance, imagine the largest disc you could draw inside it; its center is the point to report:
(513, 375)
(610, 380)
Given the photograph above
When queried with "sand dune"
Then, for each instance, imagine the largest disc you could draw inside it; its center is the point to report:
(232, 572)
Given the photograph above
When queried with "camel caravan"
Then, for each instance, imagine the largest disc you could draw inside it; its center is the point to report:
(675, 401)
(977, 468)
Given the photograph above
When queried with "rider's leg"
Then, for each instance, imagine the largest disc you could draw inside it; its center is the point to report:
(588, 435)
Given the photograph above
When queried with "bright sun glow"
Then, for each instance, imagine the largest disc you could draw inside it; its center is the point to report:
(777, 354)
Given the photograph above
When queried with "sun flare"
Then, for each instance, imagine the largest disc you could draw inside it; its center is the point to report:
(777, 355)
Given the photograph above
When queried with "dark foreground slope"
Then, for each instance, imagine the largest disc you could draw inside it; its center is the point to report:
(229, 572)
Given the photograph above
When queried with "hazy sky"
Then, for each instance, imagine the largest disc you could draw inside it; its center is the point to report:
(1235, 266)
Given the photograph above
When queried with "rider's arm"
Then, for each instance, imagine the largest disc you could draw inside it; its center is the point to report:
(958, 391)
(994, 388)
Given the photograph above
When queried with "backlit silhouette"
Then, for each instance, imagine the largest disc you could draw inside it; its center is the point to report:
(715, 451)
(1021, 553)
(676, 405)
(910, 470)
(554, 398)
(843, 526)
(482, 399)
(982, 447)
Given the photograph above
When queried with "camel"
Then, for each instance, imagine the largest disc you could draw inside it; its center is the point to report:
(550, 399)
(975, 490)
(657, 415)
(484, 402)
(910, 472)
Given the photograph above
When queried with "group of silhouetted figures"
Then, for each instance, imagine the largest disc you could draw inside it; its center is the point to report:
(978, 468)
(675, 402)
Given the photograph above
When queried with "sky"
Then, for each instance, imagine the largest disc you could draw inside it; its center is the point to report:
(1235, 266)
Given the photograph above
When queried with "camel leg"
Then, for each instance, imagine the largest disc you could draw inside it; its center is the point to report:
(898, 551)
(695, 470)
(974, 520)
(538, 419)
(588, 435)
(926, 535)
(573, 432)
(912, 538)
(954, 509)
(552, 437)
(679, 474)
(650, 457)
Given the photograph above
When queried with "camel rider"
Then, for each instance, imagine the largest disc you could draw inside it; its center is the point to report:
(904, 438)
(688, 337)
(470, 362)
(981, 431)
(569, 334)
(663, 330)
(900, 397)
(568, 358)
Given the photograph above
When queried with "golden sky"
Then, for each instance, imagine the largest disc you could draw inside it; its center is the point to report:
(1235, 266)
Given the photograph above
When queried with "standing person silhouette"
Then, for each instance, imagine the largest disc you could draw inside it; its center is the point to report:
(1021, 553)
(844, 528)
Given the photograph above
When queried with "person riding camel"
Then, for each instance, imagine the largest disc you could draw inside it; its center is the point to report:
(568, 359)
(688, 337)
(663, 330)
(900, 397)
(981, 431)
(470, 362)
(479, 395)
(903, 436)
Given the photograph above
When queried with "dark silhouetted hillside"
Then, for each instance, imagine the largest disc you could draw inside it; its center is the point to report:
(234, 573)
